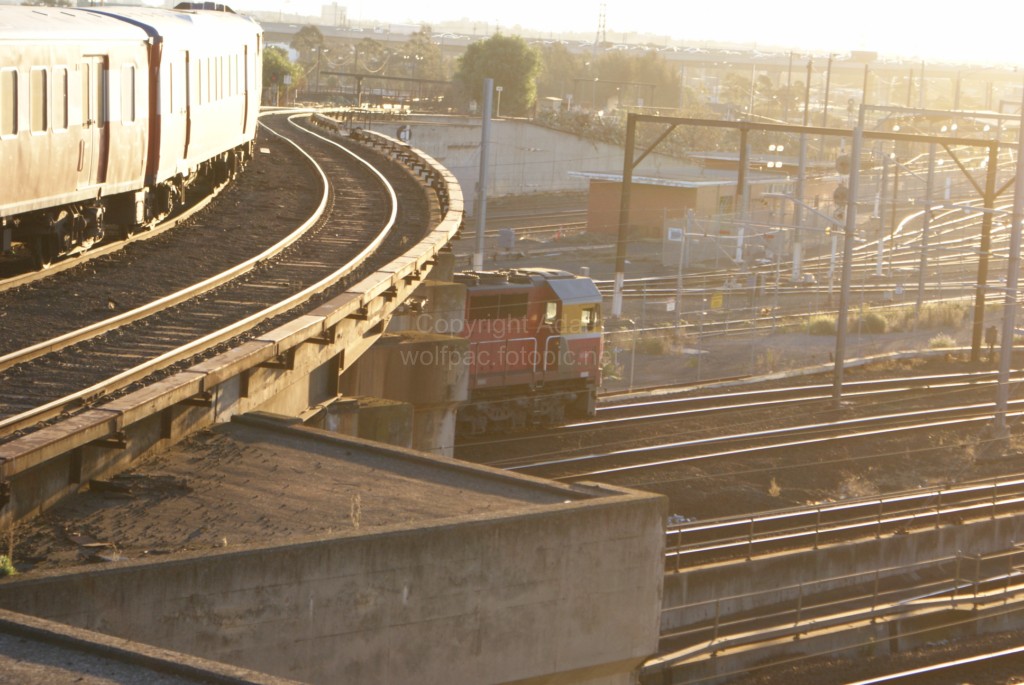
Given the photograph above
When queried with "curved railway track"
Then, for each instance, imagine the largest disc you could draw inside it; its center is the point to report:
(319, 262)
(633, 460)
(670, 429)
(992, 668)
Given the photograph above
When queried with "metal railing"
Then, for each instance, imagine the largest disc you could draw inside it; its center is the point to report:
(812, 526)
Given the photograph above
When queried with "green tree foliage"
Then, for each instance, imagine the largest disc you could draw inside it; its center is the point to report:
(735, 90)
(276, 66)
(510, 62)
(632, 79)
(560, 72)
(421, 58)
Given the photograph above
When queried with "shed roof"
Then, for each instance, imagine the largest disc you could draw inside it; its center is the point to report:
(680, 178)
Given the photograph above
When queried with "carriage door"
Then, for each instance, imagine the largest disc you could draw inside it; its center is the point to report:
(92, 150)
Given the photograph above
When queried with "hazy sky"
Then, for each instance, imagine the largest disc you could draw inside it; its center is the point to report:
(935, 31)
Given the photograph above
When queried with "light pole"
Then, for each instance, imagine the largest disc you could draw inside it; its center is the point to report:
(497, 106)
(319, 51)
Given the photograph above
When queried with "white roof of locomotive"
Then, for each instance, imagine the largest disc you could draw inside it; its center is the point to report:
(48, 24)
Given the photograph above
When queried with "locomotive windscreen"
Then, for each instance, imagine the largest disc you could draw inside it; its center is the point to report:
(575, 290)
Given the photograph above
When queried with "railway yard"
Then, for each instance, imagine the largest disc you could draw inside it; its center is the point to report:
(751, 464)
(270, 411)
(717, 451)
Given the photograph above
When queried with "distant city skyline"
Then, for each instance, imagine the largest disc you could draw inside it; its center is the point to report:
(890, 28)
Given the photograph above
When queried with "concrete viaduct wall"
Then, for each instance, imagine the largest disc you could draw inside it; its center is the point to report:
(565, 593)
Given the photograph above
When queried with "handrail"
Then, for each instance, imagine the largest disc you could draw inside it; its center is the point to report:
(844, 516)
(984, 588)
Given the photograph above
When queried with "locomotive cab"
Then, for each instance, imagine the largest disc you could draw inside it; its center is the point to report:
(535, 348)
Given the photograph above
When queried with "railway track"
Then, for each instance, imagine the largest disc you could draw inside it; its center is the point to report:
(676, 430)
(991, 668)
(909, 600)
(319, 262)
(633, 460)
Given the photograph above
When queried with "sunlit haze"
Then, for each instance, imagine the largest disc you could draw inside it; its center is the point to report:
(961, 32)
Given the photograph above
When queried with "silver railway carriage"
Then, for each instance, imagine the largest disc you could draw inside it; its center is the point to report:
(107, 115)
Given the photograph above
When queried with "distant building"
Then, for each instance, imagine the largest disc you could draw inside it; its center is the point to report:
(334, 15)
(669, 195)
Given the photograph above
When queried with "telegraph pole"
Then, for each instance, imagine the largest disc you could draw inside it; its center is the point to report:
(481, 189)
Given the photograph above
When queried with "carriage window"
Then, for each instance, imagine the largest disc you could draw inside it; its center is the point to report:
(170, 88)
(588, 319)
(86, 93)
(128, 93)
(199, 82)
(8, 102)
(38, 96)
(550, 313)
(60, 98)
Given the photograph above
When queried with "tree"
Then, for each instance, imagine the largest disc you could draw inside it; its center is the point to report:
(560, 71)
(510, 62)
(634, 77)
(307, 41)
(276, 66)
(422, 57)
(736, 90)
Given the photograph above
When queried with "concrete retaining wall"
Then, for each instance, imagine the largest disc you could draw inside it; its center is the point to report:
(561, 594)
(525, 158)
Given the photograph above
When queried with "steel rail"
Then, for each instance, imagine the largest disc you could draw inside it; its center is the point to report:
(167, 359)
(944, 666)
(928, 381)
(972, 413)
(706, 404)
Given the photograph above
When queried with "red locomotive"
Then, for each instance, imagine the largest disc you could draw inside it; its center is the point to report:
(107, 114)
(535, 348)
